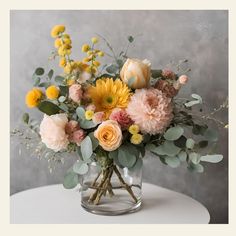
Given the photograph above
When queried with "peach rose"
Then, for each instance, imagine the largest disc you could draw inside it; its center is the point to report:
(109, 135)
(135, 73)
(52, 131)
(75, 93)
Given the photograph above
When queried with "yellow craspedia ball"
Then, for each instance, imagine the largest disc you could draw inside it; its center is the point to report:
(57, 43)
(52, 92)
(85, 48)
(89, 115)
(61, 51)
(136, 139)
(66, 36)
(94, 40)
(89, 53)
(100, 54)
(96, 63)
(68, 68)
(67, 41)
(62, 62)
(134, 129)
(33, 97)
(56, 30)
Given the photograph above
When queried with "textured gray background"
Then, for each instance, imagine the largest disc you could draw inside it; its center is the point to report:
(200, 36)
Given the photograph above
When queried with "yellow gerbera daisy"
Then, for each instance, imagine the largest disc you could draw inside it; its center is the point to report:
(108, 94)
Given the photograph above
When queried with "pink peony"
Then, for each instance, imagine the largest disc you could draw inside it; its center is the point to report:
(121, 116)
(77, 136)
(168, 74)
(183, 79)
(98, 117)
(52, 131)
(71, 126)
(75, 93)
(151, 110)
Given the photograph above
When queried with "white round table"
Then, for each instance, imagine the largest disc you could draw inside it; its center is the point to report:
(55, 205)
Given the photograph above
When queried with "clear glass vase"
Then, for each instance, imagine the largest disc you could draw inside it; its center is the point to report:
(112, 190)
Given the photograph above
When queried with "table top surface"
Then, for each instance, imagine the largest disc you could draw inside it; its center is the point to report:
(55, 205)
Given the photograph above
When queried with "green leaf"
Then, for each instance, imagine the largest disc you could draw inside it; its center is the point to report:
(86, 148)
(25, 118)
(87, 124)
(113, 154)
(137, 166)
(212, 158)
(173, 133)
(37, 81)
(80, 112)
(80, 167)
(172, 161)
(48, 108)
(39, 71)
(156, 73)
(64, 90)
(64, 107)
(159, 150)
(195, 167)
(191, 103)
(170, 149)
(71, 180)
(126, 158)
(190, 143)
(50, 74)
(95, 142)
(112, 69)
(197, 97)
(203, 144)
(59, 79)
(44, 84)
(182, 156)
(211, 135)
(61, 99)
(130, 38)
(194, 157)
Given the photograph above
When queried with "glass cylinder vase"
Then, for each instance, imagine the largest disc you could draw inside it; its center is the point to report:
(112, 190)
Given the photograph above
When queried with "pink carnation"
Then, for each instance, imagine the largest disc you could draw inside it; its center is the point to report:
(72, 126)
(77, 136)
(121, 116)
(151, 110)
(75, 93)
(168, 74)
(98, 117)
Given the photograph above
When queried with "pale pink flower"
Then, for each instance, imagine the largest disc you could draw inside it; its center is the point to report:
(183, 79)
(77, 136)
(71, 126)
(75, 93)
(52, 131)
(168, 74)
(98, 117)
(151, 110)
(90, 107)
(121, 116)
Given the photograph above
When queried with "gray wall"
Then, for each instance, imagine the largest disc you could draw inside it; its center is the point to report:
(200, 36)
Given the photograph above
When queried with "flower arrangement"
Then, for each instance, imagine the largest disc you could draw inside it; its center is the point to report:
(114, 117)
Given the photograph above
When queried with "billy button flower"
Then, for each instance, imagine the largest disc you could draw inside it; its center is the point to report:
(136, 139)
(52, 92)
(33, 97)
(89, 115)
(57, 43)
(56, 30)
(134, 129)
(62, 62)
(100, 54)
(85, 48)
(94, 40)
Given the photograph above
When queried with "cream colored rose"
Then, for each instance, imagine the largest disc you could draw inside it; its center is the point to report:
(135, 73)
(52, 131)
(109, 135)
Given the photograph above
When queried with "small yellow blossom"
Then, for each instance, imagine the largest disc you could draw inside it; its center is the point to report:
(56, 30)
(89, 115)
(134, 129)
(68, 68)
(85, 48)
(96, 63)
(66, 36)
(52, 92)
(62, 62)
(136, 139)
(57, 43)
(100, 54)
(89, 53)
(61, 51)
(33, 97)
(94, 40)
(67, 41)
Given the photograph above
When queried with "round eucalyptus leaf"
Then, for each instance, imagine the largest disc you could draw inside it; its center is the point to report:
(190, 143)
(71, 180)
(182, 156)
(87, 124)
(212, 158)
(95, 142)
(173, 133)
(170, 149)
(138, 165)
(172, 161)
(211, 135)
(80, 112)
(194, 157)
(126, 158)
(61, 99)
(80, 167)
(86, 148)
(196, 167)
